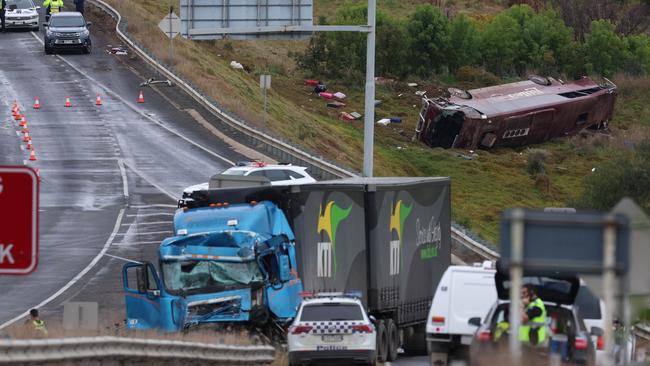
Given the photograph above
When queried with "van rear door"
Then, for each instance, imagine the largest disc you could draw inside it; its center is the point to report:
(472, 295)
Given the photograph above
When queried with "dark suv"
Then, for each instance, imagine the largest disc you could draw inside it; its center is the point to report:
(66, 31)
(567, 334)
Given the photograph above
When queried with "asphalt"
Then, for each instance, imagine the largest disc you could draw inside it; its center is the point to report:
(89, 158)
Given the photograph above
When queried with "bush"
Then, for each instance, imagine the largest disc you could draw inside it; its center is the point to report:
(536, 159)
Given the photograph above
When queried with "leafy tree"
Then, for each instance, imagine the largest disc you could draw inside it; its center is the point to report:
(464, 43)
(428, 40)
(552, 43)
(605, 51)
(638, 61)
(501, 43)
(391, 48)
(625, 175)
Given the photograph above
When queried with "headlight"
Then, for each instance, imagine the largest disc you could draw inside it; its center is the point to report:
(49, 33)
(85, 33)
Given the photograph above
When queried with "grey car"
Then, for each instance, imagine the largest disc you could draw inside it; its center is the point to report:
(67, 31)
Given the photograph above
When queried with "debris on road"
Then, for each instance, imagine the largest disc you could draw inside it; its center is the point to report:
(119, 50)
(152, 81)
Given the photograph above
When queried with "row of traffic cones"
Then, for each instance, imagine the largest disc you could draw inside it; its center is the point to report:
(18, 116)
(98, 101)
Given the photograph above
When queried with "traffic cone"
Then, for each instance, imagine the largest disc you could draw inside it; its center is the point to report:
(98, 101)
(25, 129)
(68, 104)
(27, 138)
(17, 115)
(29, 145)
(23, 121)
(32, 155)
(37, 103)
(141, 97)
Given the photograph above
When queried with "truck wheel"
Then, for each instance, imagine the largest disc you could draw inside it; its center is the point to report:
(393, 339)
(416, 344)
(382, 340)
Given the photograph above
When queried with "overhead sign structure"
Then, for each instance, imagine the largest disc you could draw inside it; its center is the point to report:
(240, 19)
(18, 220)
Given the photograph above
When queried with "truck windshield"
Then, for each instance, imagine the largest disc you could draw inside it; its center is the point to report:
(198, 275)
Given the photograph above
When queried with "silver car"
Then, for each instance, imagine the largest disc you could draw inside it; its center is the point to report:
(21, 14)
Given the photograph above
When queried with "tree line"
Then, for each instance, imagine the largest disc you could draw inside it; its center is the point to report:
(515, 42)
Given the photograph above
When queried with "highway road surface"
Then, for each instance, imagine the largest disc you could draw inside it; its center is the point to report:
(109, 173)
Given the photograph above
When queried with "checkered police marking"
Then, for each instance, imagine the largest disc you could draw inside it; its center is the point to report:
(339, 327)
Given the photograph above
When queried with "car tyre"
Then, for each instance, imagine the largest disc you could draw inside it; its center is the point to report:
(392, 334)
(382, 340)
(87, 49)
(48, 50)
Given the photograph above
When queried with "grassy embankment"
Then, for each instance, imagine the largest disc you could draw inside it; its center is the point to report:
(481, 188)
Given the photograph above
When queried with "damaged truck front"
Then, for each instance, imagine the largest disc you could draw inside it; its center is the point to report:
(515, 114)
(232, 264)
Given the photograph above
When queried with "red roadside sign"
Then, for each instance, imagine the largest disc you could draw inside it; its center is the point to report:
(18, 220)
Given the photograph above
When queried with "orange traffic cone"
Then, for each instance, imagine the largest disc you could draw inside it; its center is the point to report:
(98, 101)
(14, 110)
(37, 103)
(23, 121)
(29, 145)
(25, 129)
(68, 104)
(17, 115)
(141, 97)
(32, 155)
(27, 138)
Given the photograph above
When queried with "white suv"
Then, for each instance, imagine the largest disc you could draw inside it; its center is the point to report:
(332, 328)
(277, 174)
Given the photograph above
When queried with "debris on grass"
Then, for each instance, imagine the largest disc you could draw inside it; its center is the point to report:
(312, 82)
(355, 115)
(335, 104)
(236, 65)
(339, 95)
(326, 95)
(412, 85)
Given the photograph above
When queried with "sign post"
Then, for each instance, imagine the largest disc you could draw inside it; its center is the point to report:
(19, 223)
(265, 84)
(171, 26)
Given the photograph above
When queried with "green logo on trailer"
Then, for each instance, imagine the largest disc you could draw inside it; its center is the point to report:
(328, 223)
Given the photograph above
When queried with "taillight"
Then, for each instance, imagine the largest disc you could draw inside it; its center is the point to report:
(299, 329)
(600, 342)
(438, 319)
(580, 343)
(484, 336)
(363, 328)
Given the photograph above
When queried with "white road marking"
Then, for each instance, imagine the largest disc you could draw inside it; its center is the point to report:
(136, 109)
(151, 214)
(161, 189)
(124, 244)
(124, 259)
(125, 184)
(147, 233)
(77, 277)
(153, 205)
(148, 223)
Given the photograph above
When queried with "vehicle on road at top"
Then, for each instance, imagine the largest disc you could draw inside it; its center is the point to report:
(67, 31)
(21, 14)
(463, 292)
(566, 332)
(332, 327)
(277, 174)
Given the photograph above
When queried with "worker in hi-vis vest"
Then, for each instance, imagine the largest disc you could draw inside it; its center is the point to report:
(52, 6)
(533, 319)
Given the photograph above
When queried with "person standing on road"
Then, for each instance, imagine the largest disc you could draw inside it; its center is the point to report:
(37, 323)
(3, 4)
(52, 6)
(79, 4)
(533, 319)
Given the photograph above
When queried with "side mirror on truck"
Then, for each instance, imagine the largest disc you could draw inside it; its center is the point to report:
(475, 321)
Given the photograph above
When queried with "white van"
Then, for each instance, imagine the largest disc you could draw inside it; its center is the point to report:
(463, 293)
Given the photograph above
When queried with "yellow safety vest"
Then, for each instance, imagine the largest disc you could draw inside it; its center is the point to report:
(537, 324)
(39, 325)
(502, 327)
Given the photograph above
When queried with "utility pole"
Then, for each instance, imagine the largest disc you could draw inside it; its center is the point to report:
(369, 121)
(171, 37)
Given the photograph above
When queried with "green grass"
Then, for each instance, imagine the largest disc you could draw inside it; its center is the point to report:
(481, 188)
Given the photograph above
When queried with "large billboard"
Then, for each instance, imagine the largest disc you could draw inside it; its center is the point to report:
(211, 19)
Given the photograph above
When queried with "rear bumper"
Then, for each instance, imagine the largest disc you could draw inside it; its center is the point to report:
(349, 356)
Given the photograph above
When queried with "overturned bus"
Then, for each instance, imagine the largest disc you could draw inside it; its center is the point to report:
(515, 114)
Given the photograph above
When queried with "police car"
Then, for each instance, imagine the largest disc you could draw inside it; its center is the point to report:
(332, 327)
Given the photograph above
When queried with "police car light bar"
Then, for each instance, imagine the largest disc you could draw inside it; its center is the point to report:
(312, 294)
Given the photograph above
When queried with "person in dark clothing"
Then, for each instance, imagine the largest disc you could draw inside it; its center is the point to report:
(3, 5)
(79, 4)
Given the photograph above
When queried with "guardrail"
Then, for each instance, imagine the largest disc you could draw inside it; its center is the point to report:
(642, 331)
(35, 351)
(272, 145)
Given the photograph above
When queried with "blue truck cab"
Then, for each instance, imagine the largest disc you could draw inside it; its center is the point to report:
(226, 264)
